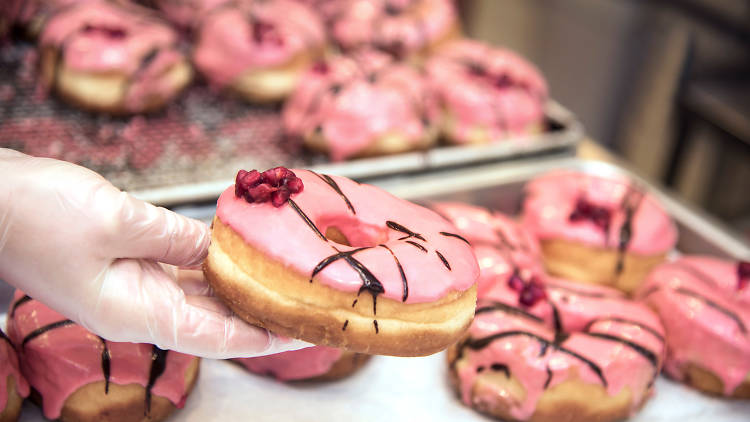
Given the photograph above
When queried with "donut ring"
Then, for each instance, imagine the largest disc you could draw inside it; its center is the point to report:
(113, 58)
(704, 303)
(305, 274)
(317, 363)
(597, 229)
(78, 376)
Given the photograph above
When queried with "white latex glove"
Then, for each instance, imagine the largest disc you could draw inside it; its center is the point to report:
(72, 240)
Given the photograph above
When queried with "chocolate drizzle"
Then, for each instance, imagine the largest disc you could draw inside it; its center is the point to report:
(307, 220)
(456, 236)
(417, 245)
(19, 302)
(630, 204)
(375, 324)
(369, 281)
(401, 272)
(398, 227)
(549, 378)
(714, 305)
(158, 365)
(442, 258)
(624, 321)
(43, 329)
(481, 343)
(106, 361)
(649, 355)
(343, 328)
(332, 183)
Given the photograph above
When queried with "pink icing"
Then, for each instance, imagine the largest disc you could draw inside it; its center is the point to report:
(64, 359)
(698, 332)
(551, 198)
(287, 238)
(502, 246)
(487, 87)
(397, 26)
(607, 312)
(227, 45)
(100, 37)
(9, 368)
(187, 13)
(295, 365)
(355, 99)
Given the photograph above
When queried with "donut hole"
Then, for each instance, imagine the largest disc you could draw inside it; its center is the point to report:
(354, 233)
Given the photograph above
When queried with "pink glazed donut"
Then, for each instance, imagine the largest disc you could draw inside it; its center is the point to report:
(363, 104)
(79, 376)
(573, 352)
(317, 363)
(403, 28)
(112, 58)
(704, 303)
(13, 386)
(258, 49)
(597, 229)
(341, 264)
(488, 93)
(504, 248)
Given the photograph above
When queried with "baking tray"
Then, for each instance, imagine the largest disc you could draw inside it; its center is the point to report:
(193, 148)
(416, 389)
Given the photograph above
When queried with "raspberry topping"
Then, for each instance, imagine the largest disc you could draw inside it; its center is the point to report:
(743, 274)
(109, 32)
(320, 67)
(275, 185)
(585, 210)
(265, 32)
(529, 293)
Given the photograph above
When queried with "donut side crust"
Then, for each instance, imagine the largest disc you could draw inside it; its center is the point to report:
(14, 404)
(569, 401)
(274, 83)
(268, 294)
(347, 364)
(706, 381)
(593, 265)
(123, 403)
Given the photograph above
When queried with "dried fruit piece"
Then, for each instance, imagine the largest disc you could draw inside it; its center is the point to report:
(275, 185)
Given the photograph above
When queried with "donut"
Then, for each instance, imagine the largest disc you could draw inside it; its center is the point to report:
(111, 58)
(403, 28)
(340, 264)
(79, 376)
(597, 229)
(488, 93)
(362, 105)
(317, 363)
(566, 352)
(704, 304)
(13, 386)
(258, 49)
(504, 248)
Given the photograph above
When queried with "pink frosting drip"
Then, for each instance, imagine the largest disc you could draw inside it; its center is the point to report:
(487, 87)
(551, 198)
(502, 246)
(295, 365)
(100, 37)
(355, 99)
(399, 26)
(227, 48)
(9, 368)
(698, 332)
(578, 306)
(287, 238)
(62, 360)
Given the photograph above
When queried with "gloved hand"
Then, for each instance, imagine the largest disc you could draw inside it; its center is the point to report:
(71, 240)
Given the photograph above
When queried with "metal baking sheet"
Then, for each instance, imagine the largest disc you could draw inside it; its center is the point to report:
(416, 389)
(194, 147)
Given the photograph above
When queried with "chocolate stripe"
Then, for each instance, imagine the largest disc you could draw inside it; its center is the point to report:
(41, 330)
(483, 342)
(106, 361)
(333, 258)
(332, 183)
(400, 271)
(626, 230)
(504, 240)
(417, 245)
(19, 302)
(307, 220)
(158, 365)
(508, 309)
(456, 236)
(649, 355)
(398, 227)
(549, 378)
(442, 258)
(711, 303)
(625, 321)
(369, 281)
(501, 367)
